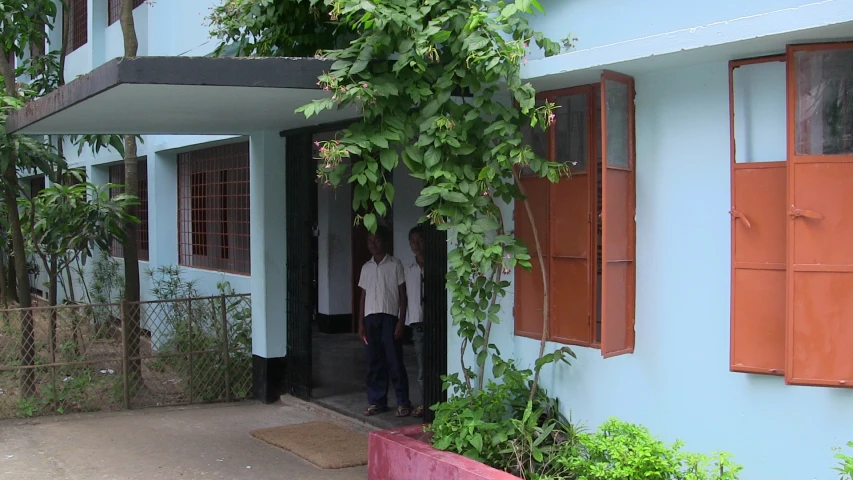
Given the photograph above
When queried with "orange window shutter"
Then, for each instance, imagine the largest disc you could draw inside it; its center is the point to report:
(570, 222)
(617, 214)
(819, 333)
(529, 289)
(758, 188)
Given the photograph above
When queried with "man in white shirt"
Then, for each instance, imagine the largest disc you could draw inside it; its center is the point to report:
(382, 325)
(415, 314)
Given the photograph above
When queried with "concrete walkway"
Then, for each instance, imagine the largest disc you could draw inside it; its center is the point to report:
(211, 442)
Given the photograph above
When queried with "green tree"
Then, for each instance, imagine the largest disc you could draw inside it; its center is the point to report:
(65, 223)
(22, 23)
(266, 28)
(431, 78)
(131, 245)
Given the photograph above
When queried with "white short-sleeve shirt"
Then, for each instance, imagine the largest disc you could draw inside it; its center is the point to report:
(381, 283)
(414, 293)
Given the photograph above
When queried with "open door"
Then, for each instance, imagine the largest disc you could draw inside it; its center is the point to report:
(618, 210)
(819, 350)
(301, 252)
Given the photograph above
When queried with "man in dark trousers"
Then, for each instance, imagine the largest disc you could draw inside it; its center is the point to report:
(382, 325)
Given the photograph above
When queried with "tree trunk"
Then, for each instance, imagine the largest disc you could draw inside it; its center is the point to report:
(131, 245)
(11, 283)
(4, 290)
(10, 190)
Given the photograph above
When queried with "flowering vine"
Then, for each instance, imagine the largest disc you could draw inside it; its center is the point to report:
(428, 77)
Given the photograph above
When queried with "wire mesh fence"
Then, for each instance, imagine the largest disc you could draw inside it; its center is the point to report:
(83, 358)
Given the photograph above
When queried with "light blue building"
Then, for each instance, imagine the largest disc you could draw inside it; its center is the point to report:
(712, 305)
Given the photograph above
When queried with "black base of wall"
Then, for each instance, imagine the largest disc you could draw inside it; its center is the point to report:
(267, 378)
(331, 324)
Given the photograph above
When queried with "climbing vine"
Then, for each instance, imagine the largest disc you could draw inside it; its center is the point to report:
(430, 79)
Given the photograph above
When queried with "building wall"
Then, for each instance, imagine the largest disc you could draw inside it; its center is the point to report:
(603, 22)
(677, 382)
(334, 245)
(162, 28)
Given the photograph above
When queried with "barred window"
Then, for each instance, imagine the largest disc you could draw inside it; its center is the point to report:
(213, 208)
(114, 9)
(78, 31)
(117, 173)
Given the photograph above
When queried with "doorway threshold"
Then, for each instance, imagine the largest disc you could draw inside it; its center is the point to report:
(337, 411)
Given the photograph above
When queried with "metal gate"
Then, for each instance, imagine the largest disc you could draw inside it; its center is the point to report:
(301, 212)
(435, 317)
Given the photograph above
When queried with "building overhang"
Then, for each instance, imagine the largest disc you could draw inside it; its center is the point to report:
(738, 38)
(181, 95)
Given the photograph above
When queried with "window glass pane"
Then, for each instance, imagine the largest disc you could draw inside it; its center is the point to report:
(617, 123)
(759, 112)
(573, 130)
(824, 110)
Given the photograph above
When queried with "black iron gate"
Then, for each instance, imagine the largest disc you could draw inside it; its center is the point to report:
(301, 211)
(435, 317)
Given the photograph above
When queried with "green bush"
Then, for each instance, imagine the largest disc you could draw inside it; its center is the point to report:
(197, 327)
(499, 427)
(482, 425)
(624, 451)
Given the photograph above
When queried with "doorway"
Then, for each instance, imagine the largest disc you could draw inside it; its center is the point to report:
(326, 361)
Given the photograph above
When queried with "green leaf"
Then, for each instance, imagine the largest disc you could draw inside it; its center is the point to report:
(388, 158)
(431, 157)
(481, 358)
(358, 67)
(509, 10)
(379, 141)
(426, 200)
(477, 442)
(389, 192)
(370, 222)
(487, 224)
(454, 197)
(525, 5)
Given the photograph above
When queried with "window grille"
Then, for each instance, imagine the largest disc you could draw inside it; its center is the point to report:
(78, 26)
(117, 173)
(114, 9)
(213, 208)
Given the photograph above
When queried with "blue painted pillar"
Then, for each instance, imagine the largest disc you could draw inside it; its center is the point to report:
(269, 272)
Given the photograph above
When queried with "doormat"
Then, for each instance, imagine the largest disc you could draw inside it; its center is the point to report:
(322, 443)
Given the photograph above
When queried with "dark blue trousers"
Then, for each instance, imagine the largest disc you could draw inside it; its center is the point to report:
(384, 357)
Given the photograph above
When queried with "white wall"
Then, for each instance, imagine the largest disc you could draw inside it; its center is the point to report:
(334, 246)
(678, 382)
(406, 190)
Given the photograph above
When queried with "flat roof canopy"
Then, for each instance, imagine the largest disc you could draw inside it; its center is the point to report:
(181, 95)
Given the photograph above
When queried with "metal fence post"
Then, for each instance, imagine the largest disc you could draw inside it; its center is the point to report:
(125, 354)
(191, 345)
(226, 354)
(51, 334)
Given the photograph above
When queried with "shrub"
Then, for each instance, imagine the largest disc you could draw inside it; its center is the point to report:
(499, 427)
(624, 451)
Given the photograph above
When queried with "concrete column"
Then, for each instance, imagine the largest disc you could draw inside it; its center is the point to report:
(162, 209)
(98, 17)
(269, 268)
